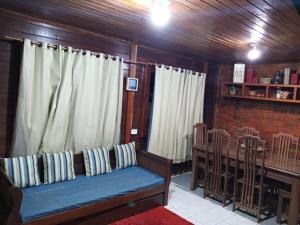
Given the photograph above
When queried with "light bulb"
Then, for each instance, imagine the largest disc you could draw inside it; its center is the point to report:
(160, 14)
(254, 53)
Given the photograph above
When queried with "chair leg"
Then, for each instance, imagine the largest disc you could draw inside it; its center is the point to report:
(259, 206)
(235, 190)
(224, 200)
(233, 206)
(206, 180)
(279, 208)
(204, 190)
(194, 182)
(258, 217)
(225, 191)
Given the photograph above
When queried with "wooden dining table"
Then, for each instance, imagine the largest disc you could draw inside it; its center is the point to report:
(286, 171)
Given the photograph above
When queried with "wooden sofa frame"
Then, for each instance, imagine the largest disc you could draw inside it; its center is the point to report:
(102, 212)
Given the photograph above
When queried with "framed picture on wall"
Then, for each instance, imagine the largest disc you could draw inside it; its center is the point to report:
(132, 84)
(239, 73)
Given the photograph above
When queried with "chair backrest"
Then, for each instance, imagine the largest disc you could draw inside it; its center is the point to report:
(248, 131)
(248, 153)
(285, 146)
(217, 147)
(199, 134)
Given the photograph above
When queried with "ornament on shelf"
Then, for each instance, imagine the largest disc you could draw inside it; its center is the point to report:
(278, 78)
(239, 73)
(232, 90)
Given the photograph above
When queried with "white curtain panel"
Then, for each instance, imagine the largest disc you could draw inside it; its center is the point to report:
(67, 101)
(178, 105)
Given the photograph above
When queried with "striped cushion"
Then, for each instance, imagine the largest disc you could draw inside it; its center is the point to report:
(58, 167)
(125, 155)
(23, 171)
(96, 161)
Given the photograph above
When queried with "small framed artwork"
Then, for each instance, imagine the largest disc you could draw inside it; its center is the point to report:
(239, 73)
(132, 84)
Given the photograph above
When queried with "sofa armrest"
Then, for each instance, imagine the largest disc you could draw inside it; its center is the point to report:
(155, 164)
(10, 201)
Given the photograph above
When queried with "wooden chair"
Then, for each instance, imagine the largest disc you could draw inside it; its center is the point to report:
(199, 134)
(248, 131)
(198, 141)
(248, 182)
(284, 147)
(217, 176)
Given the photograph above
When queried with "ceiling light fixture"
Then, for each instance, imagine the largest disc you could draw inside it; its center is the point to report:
(144, 2)
(160, 13)
(254, 53)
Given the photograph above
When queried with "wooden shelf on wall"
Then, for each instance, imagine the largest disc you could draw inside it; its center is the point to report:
(267, 92)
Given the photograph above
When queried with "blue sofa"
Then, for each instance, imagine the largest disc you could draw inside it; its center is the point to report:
(89, 200)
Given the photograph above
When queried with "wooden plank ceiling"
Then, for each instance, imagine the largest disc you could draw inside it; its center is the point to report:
(218, 30)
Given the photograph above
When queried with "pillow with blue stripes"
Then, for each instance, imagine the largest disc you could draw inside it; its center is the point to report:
(125, 155)
(58, 167)
(23, 171)
(96, 161)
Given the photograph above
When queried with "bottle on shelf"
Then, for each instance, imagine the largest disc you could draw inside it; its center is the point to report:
(287, 72)
(294, 77)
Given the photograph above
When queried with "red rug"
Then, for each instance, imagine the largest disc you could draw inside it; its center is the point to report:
(156, 216)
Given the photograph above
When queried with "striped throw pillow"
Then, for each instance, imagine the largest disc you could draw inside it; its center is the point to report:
(23, 171)
(125, 155)
(58, 167)
(96, 161)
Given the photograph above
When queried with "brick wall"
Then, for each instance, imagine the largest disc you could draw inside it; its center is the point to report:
(267, 117)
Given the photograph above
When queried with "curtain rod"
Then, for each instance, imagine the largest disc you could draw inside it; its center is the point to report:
(74, 50)
(95, 53)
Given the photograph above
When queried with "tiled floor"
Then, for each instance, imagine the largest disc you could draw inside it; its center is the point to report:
(194, 208)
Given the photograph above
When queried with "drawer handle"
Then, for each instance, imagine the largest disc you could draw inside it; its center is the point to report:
(131, 204)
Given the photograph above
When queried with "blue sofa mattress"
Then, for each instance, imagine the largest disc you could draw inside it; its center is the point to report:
(46, 200)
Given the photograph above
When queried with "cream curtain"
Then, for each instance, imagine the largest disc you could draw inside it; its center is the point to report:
(67, 100)
(178, 105)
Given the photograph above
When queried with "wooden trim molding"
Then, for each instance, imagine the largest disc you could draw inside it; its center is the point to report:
(130, 98)
(143, 124)
(205, 67)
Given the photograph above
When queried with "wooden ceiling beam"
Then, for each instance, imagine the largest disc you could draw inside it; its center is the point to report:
(212, 29)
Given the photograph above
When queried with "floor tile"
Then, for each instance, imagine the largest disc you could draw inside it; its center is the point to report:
(191, 206)
(207, 219)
